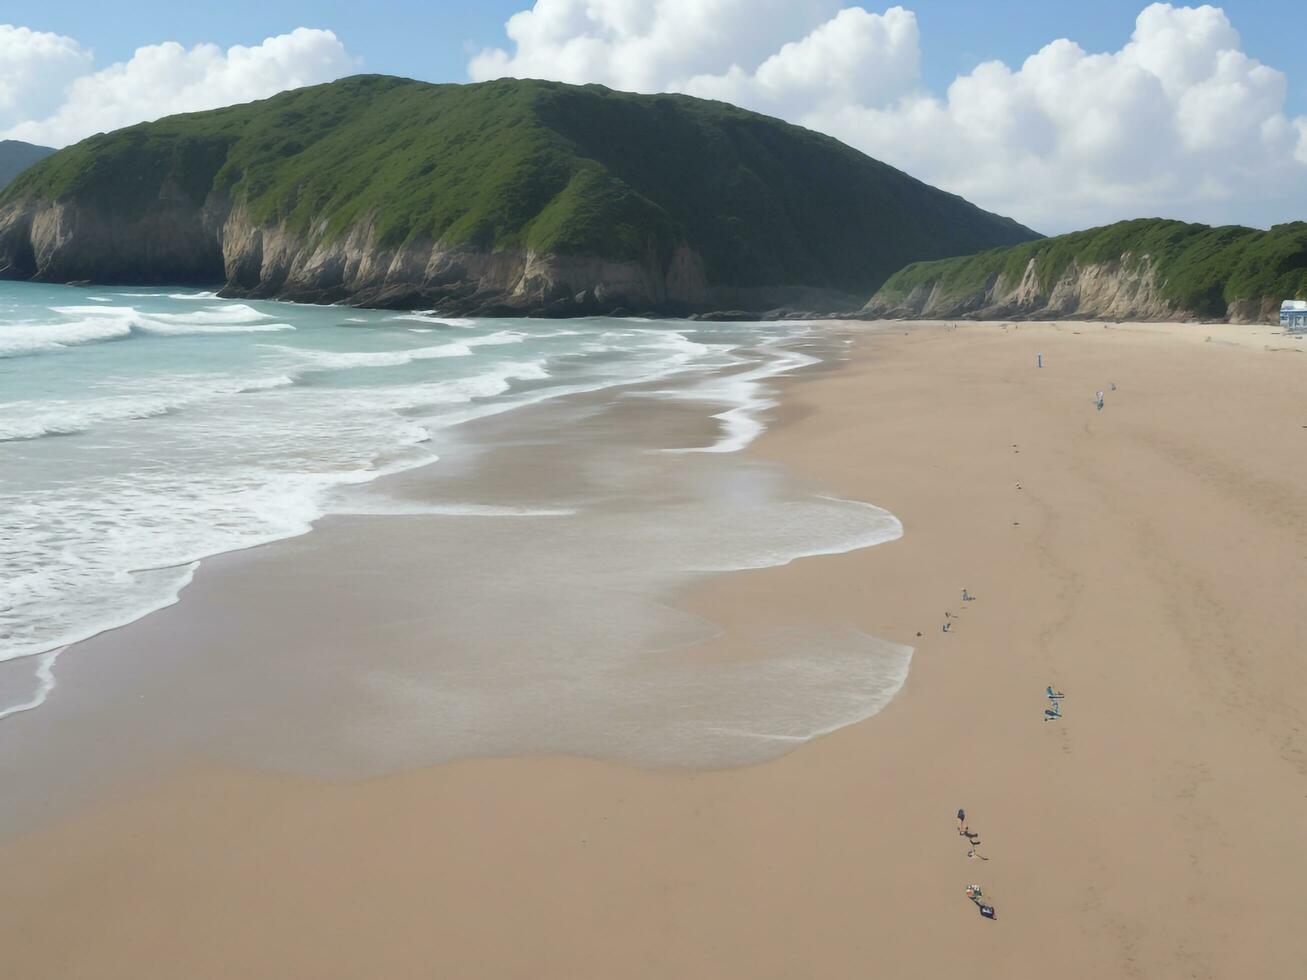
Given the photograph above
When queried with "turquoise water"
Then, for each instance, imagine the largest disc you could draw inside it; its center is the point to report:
(144, 429)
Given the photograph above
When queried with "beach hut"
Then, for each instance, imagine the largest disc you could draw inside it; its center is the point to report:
(1293, 315)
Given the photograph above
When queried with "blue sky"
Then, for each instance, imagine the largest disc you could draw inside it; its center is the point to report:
(431, 40)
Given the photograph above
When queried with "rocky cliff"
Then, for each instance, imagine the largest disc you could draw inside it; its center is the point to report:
(179, 242)
(1119, 290)
(1137, 270)
(506, 197)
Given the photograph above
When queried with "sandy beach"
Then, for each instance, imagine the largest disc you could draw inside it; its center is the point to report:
(1146, 559)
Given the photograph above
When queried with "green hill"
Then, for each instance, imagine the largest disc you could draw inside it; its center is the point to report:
(1151, 267)
(16, 156)
(518, 193)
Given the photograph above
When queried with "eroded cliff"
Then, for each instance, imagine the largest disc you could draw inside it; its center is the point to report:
(1148, 269)
(505, 197)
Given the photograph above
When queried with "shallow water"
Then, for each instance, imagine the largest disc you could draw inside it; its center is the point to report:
(142, 430)
(522, 594)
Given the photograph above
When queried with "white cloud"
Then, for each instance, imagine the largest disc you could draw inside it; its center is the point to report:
(34, 68)
(63, 101)
(1178, 121)
(644, 45)
(855, 57)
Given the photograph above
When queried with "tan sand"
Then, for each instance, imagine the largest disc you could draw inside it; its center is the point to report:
(1147, 559)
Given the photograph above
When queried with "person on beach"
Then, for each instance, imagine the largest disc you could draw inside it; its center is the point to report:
(967, 596)
(962, 822)
(974, 894)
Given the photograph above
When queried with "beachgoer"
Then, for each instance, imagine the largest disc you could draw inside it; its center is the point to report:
(962, 821)
(946, 626)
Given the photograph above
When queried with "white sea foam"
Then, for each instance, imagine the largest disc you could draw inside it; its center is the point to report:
(34, 418)
(33, 338)
(159, 294)
(191, 464)
(747, 395)
(426, 318)
(342, 360)
(210, 506)
(106, 311)
(264, 384)
(183, 329)
(236, 318)
(94, 324)
(43, 683)
(385, 506)
(233, 313)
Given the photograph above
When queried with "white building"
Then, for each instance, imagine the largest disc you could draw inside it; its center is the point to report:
(1293, 314)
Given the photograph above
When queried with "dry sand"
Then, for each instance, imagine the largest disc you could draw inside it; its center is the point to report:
(1147, 559)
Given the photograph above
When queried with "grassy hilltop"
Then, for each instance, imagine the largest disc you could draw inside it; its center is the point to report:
(541, 166)
(1197, 270)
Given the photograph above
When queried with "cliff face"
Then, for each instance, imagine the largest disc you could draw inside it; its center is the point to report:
(275, 261)
(1146, 269)
(1120, 290)
(179, 242)
(513, 196)
(68, 242)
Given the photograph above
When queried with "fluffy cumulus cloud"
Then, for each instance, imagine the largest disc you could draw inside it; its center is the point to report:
(51, 93)
(34, 68)
(1178, 121)
(643, 46)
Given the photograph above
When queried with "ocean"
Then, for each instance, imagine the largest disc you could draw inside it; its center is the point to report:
(142, 430)
(506, 516)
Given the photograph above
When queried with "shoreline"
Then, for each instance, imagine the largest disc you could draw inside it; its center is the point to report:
(1122, 840)
(614, 461)
(741, 404)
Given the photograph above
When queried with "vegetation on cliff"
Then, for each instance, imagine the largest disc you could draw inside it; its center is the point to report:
(543, 166)
(1199, 270)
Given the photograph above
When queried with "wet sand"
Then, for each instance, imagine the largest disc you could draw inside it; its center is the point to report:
(1146, 559)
